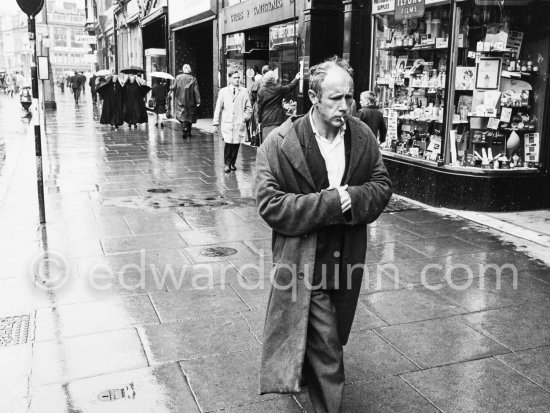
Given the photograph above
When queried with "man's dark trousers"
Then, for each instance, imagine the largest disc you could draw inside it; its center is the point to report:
(230, 152)
(76, 93)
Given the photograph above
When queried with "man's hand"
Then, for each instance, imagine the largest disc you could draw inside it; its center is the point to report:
(345, 199)
(298, 76)
(215, 129)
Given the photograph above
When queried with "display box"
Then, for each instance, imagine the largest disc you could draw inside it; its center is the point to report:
(532, 147)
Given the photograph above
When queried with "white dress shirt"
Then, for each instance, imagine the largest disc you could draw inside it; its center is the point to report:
(333, 153)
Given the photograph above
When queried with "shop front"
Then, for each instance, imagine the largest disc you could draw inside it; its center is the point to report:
(154, 31)
(192, 25)
(128, 35)
(286, 35)
(463, 87)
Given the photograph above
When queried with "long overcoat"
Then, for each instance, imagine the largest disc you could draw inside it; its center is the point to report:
(186, 97)
(288, 202)
(231, 113)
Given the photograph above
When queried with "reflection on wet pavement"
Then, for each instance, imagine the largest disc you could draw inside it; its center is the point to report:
(148, 285)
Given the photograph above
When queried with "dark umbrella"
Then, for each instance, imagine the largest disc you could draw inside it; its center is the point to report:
(132, 70)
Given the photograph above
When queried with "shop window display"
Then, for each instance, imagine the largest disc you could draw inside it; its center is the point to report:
(410, 71)
(487, 115)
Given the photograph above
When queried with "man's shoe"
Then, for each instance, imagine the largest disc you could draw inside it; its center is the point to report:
(227, 169)
(233, 167)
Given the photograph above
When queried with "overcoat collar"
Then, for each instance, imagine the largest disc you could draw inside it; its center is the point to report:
(292, 149)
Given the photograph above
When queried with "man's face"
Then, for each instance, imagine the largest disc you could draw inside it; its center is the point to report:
(235, 79)
(336, 97)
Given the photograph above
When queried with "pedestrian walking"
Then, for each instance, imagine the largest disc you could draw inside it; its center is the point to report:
(372, 116)
(76, 85)
(187, 99)
(320, 180)
(159, 96)
(134, 93)
(92, 84)
(258, 83)
(232, 111)
(270, 102)
(112, 94)
(62, 83)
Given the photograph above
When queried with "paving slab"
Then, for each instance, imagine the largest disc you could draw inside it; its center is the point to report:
(196, 338)
(532, 364)
(72, 358)
(438, 342)
(379, 396)
(225, 381)
(193, 303)
(518, 328)
(479, 386)
(161, 389)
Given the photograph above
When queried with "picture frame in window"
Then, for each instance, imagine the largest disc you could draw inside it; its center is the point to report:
(488, 73)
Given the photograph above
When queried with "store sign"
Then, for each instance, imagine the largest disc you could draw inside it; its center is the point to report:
(181, 11)
(80, 38)
(381, 6)
(281, 34)
(234, 42)
(254, 13)
(256, 42)
(405, 9)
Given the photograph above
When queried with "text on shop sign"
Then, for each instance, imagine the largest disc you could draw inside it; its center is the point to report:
(405, 9)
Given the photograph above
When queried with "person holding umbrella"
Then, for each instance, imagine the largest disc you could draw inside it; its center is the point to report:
(112, 94)
(134, 93)
(188, 99)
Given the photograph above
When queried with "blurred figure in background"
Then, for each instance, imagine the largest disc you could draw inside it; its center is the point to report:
(159, 95)
(372, 116)
(187, 99)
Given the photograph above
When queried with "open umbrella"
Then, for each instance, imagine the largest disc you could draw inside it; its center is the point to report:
(103, 72)
(162, 75)
(132, 70)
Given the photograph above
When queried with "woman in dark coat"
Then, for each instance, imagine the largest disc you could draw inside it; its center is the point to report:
(159, 95)
(134, 102)
(112, 94)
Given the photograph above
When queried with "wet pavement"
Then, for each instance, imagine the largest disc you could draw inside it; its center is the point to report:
(146, 289)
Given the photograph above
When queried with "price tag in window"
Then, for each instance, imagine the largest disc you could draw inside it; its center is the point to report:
(506, 114)
(493, 123)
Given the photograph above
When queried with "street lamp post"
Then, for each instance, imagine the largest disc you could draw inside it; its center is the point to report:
(31, 8)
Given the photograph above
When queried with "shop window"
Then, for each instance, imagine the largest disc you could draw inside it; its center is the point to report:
(499, 91)
(409, 74)
(463, 85)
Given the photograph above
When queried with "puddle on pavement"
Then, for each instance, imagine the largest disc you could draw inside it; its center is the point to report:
(218, 252)
(168, 200)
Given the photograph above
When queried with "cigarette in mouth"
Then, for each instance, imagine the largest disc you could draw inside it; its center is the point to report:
(342, 119)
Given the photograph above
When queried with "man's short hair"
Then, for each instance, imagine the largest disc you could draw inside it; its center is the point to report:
(232, 72)
(318, 72)
(368, 96)
(265, 69)
(186, 68)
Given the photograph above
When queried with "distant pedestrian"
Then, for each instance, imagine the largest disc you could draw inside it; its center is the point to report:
(62, 83)
(111, 92)
(270, 102)
(232, 111)
(84, 80)
(76, 85)
(134, 93)
(372, 116)
(187, 99)
(258, 83)
(159, 96)
(93, 89)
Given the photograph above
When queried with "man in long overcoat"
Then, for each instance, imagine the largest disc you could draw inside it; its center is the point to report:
(187, 99)
(320, 180)
(232, 111)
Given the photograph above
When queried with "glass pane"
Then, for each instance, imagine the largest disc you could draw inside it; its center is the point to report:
(410, 66)
(500, 85)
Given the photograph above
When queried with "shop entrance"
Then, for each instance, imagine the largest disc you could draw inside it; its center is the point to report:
(194, 46)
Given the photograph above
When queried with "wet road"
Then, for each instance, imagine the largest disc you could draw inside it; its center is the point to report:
(146, 290)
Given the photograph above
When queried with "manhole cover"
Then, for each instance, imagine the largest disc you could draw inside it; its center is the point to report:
(218, 252)
(159, 190)
(14, 329)
(397, 204)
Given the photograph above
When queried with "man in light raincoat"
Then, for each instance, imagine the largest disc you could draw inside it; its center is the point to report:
(320, 179)
(233, 109)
